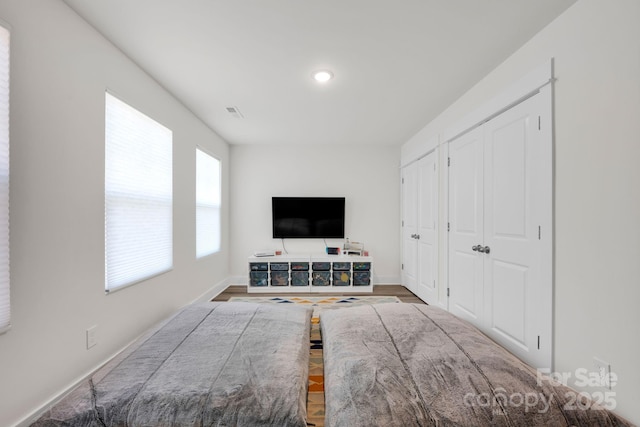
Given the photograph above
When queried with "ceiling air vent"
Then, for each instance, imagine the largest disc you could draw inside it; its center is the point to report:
(234, 112)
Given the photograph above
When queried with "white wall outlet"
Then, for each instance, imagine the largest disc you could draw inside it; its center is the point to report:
(603, 371)
(91, 337)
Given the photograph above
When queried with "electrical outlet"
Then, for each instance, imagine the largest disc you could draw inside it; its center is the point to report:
(91, 337)
(603, 370)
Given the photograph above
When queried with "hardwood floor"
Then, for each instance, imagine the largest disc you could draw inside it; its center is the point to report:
(404, 294)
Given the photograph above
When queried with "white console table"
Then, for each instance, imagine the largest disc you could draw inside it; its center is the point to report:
(310, 274)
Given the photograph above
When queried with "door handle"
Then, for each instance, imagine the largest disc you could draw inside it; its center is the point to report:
(481, 249)
(418, 236)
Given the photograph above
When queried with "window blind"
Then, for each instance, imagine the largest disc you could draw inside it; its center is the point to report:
(138, 196)
(207, 204)
(5, 301)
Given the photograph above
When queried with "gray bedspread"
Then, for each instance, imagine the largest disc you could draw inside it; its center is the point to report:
(416, 365)
(211, 364)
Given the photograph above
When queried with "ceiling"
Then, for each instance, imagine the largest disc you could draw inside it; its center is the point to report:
(396, 64)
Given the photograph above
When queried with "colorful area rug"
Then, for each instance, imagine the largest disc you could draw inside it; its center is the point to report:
(315, 399)
(319, 303)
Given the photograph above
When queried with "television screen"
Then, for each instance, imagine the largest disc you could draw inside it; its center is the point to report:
(307, 217)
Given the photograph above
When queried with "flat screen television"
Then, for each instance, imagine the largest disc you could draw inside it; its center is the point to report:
(308, 217)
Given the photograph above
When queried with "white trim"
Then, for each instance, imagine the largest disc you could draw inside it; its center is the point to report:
(216, 290)
(144, 279)
(431, 148)
(386, 280)
(512, 95)
(430, 144)
(546, 217)
(443, 261)
(239, 281)
(6, 193)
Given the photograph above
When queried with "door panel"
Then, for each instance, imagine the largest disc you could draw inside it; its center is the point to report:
(466, 226)
(467, 182)
(507, 148)
(466, 294)
(427, 288)
(509, 316)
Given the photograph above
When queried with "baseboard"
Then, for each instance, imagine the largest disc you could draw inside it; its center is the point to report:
(386, 280)
(216, 290)
(238, 281)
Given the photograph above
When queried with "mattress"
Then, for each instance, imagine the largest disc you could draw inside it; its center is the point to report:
(214, 364)
(417, 365)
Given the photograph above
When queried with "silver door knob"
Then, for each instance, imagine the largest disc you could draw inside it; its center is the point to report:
(475, 248)
(481, 249)
(418, 236)
(486, 249)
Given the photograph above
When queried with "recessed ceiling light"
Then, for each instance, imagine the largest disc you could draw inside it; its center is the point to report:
(322, 76)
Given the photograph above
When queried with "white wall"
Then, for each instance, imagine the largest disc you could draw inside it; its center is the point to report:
(596, 46)
(60, 68)
(367, 177)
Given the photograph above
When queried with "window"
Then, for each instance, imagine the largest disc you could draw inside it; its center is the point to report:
(138, 196)
(5, 306)
(207, 204)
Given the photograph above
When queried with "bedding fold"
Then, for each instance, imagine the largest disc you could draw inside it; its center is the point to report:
(215, 364)
(417, 365)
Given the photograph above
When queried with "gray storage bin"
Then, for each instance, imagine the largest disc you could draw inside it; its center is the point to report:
(361, 278)
(321, 278)
(259, 278)
(361, 266)
(341, 278)
(300, 266)
(259, 266)
(321, 266)
(299, 278)
(279, 266)
(280, 278)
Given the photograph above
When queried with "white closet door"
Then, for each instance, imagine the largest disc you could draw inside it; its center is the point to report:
(512, 270)
(466, 222)
(427, 288)
(410, 227)
(499, 198)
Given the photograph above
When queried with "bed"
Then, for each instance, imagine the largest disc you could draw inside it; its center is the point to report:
(214, 364)
(417, 365)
